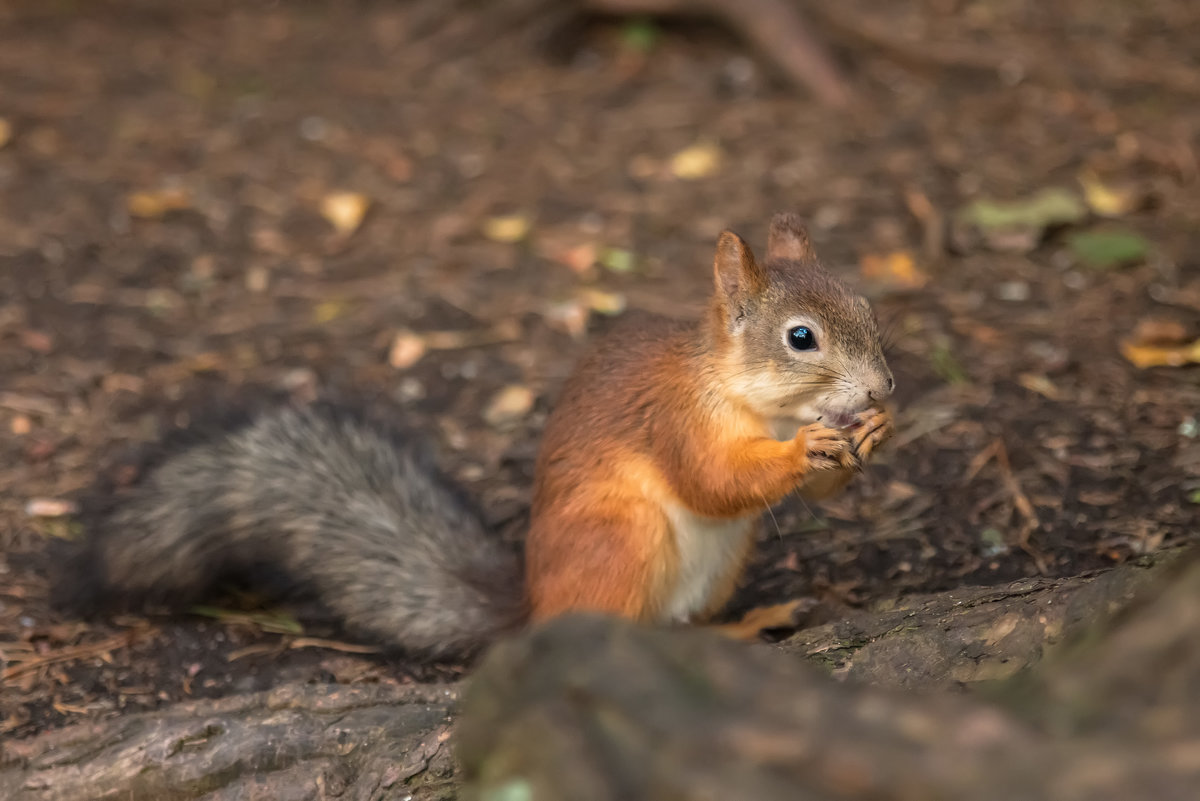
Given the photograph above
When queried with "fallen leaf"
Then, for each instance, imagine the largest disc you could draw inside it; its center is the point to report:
(508, 228)
(509, 405)
(328, 311)
(992, 543)
(580, 258)
(1019, 225)
(20, 424)
(1157, 331)
(1105, 250)
(1105, 200)
(606, 303)
(897, 269)
(1160, 343)
(6, 131)
(258, 279)
(273, 621)
(696, 161)
(152, 205)
(345, 210)
(618, 261)
(1144, 356)
(50, 507)
(406, 350)
(570, 316)
(1039, 384)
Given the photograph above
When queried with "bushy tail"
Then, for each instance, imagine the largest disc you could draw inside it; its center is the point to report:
(336, 504)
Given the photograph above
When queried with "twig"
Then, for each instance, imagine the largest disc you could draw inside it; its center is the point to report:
(73, 653)
(1020, 501)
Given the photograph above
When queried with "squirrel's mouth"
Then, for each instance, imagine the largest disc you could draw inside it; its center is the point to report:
(839, 419)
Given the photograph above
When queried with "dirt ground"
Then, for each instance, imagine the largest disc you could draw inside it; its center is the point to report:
(162, 178)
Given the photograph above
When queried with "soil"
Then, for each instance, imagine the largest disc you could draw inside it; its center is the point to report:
(161, 238)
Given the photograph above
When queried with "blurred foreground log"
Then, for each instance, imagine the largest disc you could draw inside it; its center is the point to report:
(593, 709)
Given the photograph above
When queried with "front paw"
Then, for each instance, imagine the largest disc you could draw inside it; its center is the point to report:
(822, 448)
(875, 426)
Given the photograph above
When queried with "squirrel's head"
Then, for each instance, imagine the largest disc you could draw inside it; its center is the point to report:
(793, 340)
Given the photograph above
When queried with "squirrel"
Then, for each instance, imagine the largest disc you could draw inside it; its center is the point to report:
(667, 443)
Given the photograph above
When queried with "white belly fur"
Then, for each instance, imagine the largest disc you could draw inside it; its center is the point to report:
(708, 549)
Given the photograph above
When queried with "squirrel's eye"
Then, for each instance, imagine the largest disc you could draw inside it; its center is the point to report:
(801, 338)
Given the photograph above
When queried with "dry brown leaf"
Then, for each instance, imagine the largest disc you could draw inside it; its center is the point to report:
(696, 161)
(406, 350)
(897, 269)
(509, 405)
(1156, 331)
(1039, 384)
(570, 316)
(6, 131)
(580, 258)
(345, 210)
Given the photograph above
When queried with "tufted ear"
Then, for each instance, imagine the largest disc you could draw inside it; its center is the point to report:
(788, 239)
(737, 275)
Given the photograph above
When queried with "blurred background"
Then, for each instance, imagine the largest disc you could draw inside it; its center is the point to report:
(441, 202)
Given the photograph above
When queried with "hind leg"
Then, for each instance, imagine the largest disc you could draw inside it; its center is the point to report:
(620, 563)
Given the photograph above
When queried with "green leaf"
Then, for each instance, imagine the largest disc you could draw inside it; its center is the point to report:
(277, 622)
(1194, 496)
(1049, 207)
(992, 543)
(1105, 250)
(618, 261)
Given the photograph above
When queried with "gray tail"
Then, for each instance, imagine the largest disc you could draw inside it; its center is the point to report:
(330, 501)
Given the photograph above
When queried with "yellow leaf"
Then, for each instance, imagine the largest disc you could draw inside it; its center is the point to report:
(896, 269)
(507, 228)
(1106, 200)
(6, 131)
(345, 210)
(696, 161)
(607, 303)
(328, 311)
(509, 405)
(155, 204)
(1144, 356)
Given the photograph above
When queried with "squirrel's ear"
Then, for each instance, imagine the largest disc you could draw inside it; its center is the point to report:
(788, 239)
(738, 276)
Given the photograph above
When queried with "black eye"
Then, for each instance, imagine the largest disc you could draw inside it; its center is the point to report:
(802, 338)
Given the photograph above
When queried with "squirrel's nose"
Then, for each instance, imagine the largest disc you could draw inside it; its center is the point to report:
(883, 391)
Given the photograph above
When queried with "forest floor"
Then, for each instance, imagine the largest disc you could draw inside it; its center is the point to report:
(168, 177)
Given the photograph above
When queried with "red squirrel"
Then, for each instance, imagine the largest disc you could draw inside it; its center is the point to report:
(667, 443)
(671, 439)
